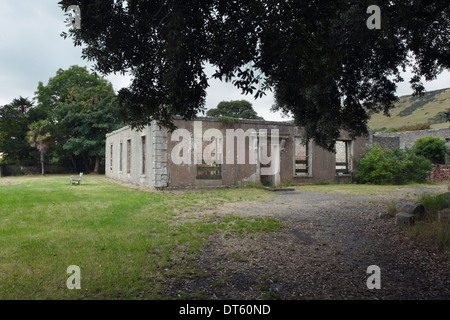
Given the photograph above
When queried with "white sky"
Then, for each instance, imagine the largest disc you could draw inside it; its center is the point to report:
(32, 50)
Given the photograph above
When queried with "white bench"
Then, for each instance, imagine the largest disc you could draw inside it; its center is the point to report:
(72, 179)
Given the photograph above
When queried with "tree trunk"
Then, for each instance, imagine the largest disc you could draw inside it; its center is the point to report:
(97, 164)
(73, 163)
(86, 163)
(42, 162)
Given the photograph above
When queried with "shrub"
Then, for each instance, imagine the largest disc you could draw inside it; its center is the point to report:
(432, 148)
(396, 166)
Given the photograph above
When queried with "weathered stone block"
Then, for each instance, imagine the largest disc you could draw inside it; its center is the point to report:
(160, 171)
(160, 133)
(162, 158)
(163, 146)
(444, 215)
(384, 215)
(156, 141)
(158, 164)
(409, 206)
(404, 219)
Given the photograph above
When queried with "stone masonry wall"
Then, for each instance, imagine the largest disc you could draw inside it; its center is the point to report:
(406, 139)
(440, 172)
(387, 142)
(160, 176)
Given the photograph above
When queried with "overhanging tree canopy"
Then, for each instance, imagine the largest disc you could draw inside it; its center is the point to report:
(324, 65)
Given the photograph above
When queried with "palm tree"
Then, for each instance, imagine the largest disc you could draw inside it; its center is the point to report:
(38, 136)
(22, 104)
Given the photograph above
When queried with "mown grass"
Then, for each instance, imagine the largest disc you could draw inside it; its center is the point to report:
(127, 242)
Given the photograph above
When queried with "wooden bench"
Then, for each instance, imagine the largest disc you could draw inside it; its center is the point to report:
(72, 179)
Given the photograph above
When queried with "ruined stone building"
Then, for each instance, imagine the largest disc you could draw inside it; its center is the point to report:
(406, 139)
(207, 152)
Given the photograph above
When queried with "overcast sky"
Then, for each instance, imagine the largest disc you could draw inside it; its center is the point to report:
(32, 50)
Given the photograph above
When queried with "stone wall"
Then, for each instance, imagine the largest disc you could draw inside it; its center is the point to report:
(160, 176)
(131, 168)
(407, 139)
(387, 142)
(144, 157)
(440, 172)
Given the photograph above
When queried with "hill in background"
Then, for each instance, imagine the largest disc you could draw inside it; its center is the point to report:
(410, 111)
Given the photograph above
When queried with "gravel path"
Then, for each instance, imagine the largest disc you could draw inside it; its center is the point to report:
(323, 252)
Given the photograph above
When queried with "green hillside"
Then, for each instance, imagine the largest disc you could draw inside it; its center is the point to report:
(410, 110)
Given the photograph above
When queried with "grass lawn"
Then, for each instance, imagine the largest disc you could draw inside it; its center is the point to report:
(127, 242)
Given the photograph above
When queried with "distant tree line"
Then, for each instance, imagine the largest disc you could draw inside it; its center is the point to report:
(235, 109)
(65, 123)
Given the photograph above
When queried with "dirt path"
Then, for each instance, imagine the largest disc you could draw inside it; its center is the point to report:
(323, 252)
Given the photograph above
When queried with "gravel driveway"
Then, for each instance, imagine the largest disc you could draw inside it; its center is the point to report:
(323, 252)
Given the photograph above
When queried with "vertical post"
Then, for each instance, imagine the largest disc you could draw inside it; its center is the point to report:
(346, 156)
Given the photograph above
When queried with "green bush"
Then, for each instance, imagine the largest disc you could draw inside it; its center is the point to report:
(396, 166)
(432, 148)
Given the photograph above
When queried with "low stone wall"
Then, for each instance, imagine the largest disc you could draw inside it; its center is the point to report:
(407, 139)
(387, 142)
(440, 172)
